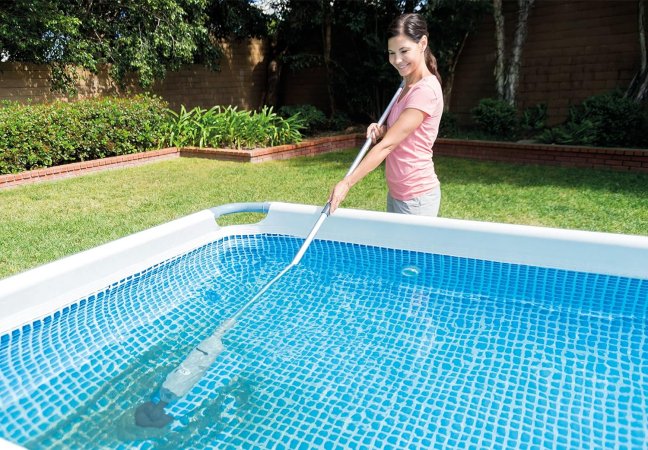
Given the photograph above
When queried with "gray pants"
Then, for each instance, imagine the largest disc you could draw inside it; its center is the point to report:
(425, 205)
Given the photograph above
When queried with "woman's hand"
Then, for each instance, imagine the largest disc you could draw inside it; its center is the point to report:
(338, 194)
(375, 132)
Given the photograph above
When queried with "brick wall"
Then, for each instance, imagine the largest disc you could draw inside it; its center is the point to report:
(574, 49)
(240, 81)
(29, 82)
(305, 87)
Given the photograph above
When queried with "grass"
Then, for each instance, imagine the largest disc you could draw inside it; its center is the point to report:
(43, 222)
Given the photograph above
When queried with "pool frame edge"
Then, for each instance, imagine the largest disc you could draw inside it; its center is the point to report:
(41, 291)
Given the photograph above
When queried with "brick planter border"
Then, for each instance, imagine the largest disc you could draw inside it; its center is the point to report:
(307, 147)
(544, 154)
(557, 155)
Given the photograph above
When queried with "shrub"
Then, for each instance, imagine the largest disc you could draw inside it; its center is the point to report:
(496, 117)
(533, 120)
(570, 133)
(229, 128)
(37, 136)
(449, 125)
(606, 120)
(312, 118)
(339, 121)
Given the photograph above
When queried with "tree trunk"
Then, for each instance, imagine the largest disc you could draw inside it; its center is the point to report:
(513, 77)
(638, 89)
(273, 80)
(327, 28)
(507, 76)
(270, 95)
(448, 81)
(500, 52)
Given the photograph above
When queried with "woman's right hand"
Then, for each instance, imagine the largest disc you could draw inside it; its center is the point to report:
(375, 132)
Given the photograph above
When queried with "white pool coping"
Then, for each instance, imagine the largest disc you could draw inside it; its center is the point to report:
(39, 292)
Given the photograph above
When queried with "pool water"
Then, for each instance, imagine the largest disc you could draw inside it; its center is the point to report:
(356, 347)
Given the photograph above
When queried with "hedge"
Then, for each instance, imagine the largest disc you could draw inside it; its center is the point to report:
(45, 135)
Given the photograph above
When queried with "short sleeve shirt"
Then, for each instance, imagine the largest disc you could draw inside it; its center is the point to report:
(409, 168)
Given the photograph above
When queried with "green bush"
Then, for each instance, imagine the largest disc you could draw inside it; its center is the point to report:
(605, 120)
(496, 117)
(339, 121)
(570, 133)
(449, 126)
(312, 118)
(533, 120)
(229, 128)
(37, 136)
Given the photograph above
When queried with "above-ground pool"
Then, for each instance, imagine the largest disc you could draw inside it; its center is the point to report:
(392, 332)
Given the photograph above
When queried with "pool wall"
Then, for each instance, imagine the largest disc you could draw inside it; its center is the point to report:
(39, 292)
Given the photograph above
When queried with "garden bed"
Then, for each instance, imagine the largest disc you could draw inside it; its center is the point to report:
(521, 153)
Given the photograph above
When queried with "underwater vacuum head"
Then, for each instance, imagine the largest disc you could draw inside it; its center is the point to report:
(152, 415)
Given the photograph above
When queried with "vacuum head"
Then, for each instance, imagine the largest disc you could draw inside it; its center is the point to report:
(152, 415)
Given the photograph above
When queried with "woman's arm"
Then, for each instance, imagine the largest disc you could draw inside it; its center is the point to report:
(408, 121)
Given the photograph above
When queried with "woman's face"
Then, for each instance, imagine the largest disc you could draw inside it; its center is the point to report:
(405, 54)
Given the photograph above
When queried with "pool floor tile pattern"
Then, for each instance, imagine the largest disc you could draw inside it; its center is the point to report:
(356, 347)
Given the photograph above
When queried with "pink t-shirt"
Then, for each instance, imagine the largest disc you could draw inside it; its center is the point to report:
(409, 169)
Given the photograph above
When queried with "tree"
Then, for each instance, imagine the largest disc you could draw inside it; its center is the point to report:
(450, 22)
(130, 36)
(638, 89)
(507, 78)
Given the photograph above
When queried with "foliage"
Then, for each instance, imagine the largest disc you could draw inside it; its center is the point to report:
(449, 126)
(229, 128)
(570, 133)
(339, 121)
(144, 39)
(605, 120)
(37, 136)
(312, 118)
(533, 120)
(228, 19)
(361, 79)
(496, 117)
(449, 22)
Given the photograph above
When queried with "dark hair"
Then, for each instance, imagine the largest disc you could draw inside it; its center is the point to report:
(414, 27)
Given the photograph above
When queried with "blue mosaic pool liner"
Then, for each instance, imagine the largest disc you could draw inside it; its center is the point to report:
(356, 347)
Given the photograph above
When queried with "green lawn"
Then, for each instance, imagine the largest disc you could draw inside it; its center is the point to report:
(43, 222)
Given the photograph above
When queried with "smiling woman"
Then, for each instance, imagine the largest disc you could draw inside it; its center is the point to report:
(406, 142)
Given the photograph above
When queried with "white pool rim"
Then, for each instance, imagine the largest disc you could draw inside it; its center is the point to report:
(41, 291)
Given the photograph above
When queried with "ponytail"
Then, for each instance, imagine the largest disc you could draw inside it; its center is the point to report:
(431, 63)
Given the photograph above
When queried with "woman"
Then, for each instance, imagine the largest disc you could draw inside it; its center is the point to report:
(412, 126)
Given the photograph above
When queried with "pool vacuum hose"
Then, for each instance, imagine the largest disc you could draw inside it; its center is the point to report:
(180, 381)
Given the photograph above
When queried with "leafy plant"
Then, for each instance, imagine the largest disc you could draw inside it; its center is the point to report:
(449, 126)
(36, 136)
(533, 119)
(605, 120)
(570, 133)
(229, 128)
(312, 118)
(339, 121)
(496, 117)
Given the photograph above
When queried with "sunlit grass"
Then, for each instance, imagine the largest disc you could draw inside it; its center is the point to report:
(43, 222)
